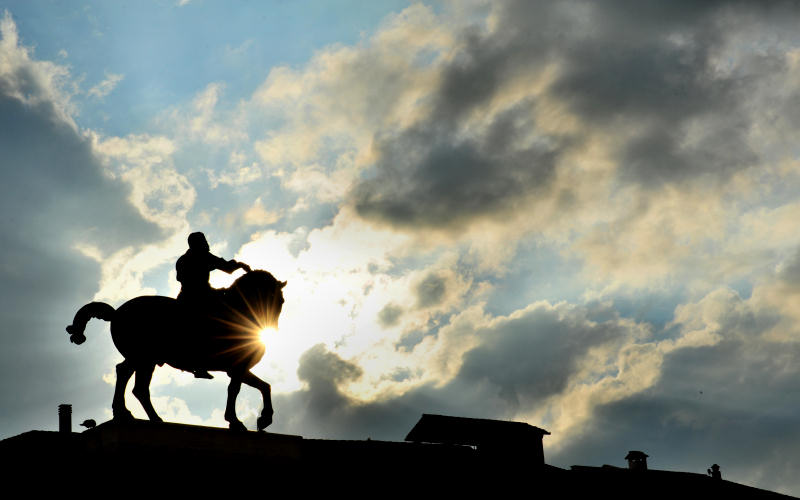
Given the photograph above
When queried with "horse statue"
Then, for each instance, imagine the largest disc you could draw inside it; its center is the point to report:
(153, 330)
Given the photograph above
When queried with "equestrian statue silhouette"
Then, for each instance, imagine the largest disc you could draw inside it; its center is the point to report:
(216, 331)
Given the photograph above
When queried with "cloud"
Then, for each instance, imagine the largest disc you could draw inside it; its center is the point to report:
(632, 153)
(426, 177)
(204, 121)
(39, 84)
(558, 366)
(600, 383)
(105, 87)
(535, 352)
(483, 126)
(511, 364)
(728, 373)
(161, 195)
(331, 107)
(55, 193)
(159, 191)
(389, 315)
(482, 149)
(238, 173)
(257, 215)
(541, 121)
(723, 400)
(323, 371)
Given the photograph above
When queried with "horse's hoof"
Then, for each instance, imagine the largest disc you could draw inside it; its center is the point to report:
(237, 426)
(123, 416)
(264, 421)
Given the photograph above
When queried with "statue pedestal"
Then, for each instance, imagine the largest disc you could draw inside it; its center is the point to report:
(190, 443)
(147, 458)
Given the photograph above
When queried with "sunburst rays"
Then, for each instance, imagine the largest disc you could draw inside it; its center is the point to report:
(252, 318)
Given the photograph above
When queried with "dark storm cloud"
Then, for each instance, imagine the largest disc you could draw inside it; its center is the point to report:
(533, 356)
(321, 405)
(426, 177)
(730, 404)
(663, 79)
(661, 157)
(648, 67)
(324, 371)
(53, 194)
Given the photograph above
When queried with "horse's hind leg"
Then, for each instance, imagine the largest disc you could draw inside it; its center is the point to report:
(144, 373)
(124, 373)
(266, 393)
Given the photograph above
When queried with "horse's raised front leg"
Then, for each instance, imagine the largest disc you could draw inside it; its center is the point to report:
(124, 373)
(266, 393)
(141, 389)
(230, 408)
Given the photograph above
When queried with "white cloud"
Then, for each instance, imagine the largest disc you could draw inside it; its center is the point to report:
(105, 87)
(257, 215)
(205, 123)
(161, 195)
(35, 83)
(237, 173)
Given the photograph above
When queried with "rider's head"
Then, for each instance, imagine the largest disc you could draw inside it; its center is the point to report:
(197, 241)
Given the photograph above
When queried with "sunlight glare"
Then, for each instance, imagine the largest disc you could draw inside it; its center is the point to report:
(266, 334)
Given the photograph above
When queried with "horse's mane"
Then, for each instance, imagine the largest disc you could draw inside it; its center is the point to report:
(256, 277)
(252, 284)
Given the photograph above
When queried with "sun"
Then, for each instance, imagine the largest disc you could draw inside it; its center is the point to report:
(266, 334)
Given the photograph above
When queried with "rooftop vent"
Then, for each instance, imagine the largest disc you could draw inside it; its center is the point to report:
(65, 418)
(637, 460)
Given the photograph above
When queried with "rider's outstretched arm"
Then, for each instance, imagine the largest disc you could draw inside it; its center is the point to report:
(230, 266)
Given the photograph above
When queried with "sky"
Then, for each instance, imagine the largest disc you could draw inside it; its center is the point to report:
(576, 214)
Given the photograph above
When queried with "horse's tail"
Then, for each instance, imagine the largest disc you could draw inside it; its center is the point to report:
(99, 310)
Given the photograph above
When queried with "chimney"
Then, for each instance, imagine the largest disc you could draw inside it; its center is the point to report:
(637, 460)
(65, 418)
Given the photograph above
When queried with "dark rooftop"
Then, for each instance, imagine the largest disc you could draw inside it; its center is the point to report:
(441, 460)
(472, 431)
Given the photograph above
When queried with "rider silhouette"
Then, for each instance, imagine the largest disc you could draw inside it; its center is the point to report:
(194, 268)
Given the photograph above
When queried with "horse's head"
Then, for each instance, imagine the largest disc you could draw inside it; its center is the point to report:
(258, 298)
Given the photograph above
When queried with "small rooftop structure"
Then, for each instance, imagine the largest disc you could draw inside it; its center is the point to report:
(491, 437)
(637, 460)
(65, 418)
